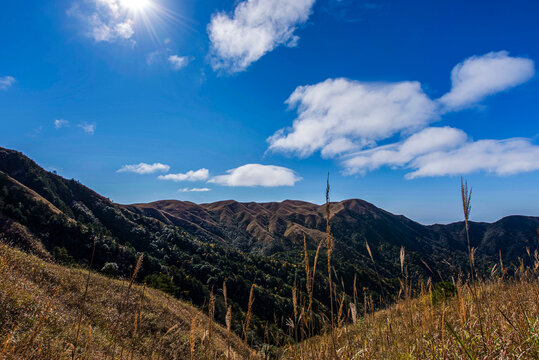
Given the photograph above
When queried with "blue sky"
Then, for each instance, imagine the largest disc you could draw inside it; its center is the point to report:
(258, 100)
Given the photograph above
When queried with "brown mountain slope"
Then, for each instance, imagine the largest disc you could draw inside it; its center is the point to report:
(260, 223)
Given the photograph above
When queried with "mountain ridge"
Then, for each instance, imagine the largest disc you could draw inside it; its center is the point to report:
(192, 249)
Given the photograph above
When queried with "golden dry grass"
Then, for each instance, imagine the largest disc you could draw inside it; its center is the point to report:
(40, 308)
(450, 329)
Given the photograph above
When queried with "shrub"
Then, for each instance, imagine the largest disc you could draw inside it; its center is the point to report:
(110, 269)
(443, 291)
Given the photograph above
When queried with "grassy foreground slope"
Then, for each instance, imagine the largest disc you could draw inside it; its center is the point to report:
(41, 305)
(493, 320)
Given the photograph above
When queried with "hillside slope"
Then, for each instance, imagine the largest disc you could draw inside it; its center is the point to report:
(190, 249)
(501, 321)
(41, 305)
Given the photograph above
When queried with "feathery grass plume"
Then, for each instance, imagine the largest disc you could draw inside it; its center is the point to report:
(295, 308)
(493, 270)
(83, 299)
(307, 318)
(502, 271)
(228, 321)
(192, 339)
(369, 250)
(311, 289)
(249, 312)
(329, 244)
(137, 320)
(211, 311)
(466, 208)
(402, 259)
(355, 289)
(139, 313)
(466, 196)
(340, 317)
(137, 269)
(225, 294)
(353, 312)
(160, 344)
(427, 266)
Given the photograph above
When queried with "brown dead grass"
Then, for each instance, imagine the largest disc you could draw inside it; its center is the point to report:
(40, 310)
(419, 329)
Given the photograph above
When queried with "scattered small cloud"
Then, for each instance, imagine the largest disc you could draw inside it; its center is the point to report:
(87, 128)
(6, 82)
(60, 123)
(104, 20)
(480, 76)
(198, 175)
(36, 132)
(154, 57)
(195, 190)
(178, 62)
(255, 28)
(144, 168)
(257, 175)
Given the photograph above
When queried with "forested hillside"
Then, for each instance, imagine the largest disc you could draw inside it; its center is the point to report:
(191, 250)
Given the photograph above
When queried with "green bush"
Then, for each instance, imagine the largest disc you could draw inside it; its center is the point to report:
(443, 291)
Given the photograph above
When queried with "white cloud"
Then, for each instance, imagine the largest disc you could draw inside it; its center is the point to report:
(87, 128)
(178, 62)
(340, 115)
(255, 28)
(257, 175)
(154, 57)
(479, 76)
(125, 29)
(501, 157)
(346, 119)
(60, 123)
(448, 151)
(6, 82)
(104, 20)
(194, 190)
(198, 175)
(399, 154)
(144, 168)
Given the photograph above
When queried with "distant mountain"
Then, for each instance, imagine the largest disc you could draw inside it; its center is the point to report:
(191, 249)
(274, 227)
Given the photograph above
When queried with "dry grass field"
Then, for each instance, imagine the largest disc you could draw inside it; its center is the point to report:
(46, 312)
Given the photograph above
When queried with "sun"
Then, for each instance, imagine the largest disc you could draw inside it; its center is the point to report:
(135, 5)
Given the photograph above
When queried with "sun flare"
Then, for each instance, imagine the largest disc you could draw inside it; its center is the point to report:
(135, 5)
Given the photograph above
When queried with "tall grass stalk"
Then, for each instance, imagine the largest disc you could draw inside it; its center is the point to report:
(329, 244)
(83, 299)
(249, 313)
(123, 304)
(466, 196)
